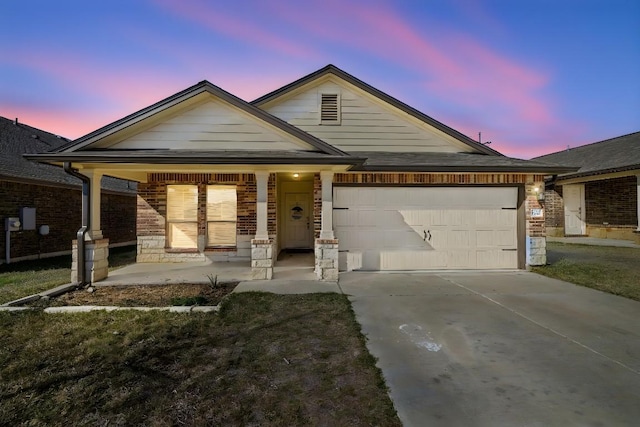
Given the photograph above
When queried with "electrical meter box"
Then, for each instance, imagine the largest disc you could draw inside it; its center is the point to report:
(28, 218)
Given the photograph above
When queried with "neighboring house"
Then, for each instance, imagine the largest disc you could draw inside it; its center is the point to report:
(326, 163)
(602, 198)
(54, 194)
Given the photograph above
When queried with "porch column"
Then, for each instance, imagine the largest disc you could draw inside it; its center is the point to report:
(638, 195)
(326, 247)
(326, 230)
(95, 178)
(262, 255)
(262, 232)
(96, 247)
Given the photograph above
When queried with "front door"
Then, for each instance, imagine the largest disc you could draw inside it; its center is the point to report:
(298, 224)
(574, 212)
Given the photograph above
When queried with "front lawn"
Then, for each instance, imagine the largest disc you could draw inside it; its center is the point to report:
(264, 360)
(609, 269)
(26, 278)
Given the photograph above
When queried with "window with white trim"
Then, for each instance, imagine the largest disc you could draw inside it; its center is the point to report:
(222, 215)
(330, 111)
(182, 216)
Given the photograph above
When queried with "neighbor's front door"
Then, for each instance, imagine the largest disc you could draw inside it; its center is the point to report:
(574, 212)
(298, 232)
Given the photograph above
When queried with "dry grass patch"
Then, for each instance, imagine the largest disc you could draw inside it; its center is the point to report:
(26, 278)
(145, 295)
(264, 360)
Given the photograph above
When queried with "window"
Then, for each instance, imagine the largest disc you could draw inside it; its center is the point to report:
(329, 108)
(222, 214)
(182, 216)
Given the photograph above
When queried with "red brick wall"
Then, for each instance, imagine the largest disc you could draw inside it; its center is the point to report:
(152, 200)
(61, 209)
(554, 207)
(612, 201)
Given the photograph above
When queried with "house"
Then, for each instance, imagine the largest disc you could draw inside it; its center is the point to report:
(600, 199)
(47, 200)
(327, 163)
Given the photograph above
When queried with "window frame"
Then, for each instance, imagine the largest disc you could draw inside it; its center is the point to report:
(169, 241)
(232, 221)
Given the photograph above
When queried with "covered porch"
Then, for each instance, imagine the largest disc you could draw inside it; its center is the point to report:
(262, 226)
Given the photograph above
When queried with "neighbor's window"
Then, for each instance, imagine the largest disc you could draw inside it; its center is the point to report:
(222, 214)
(182, 216)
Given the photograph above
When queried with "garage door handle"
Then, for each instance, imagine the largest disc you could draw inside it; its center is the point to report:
(427, 235)
(340, 209)
(510, 249)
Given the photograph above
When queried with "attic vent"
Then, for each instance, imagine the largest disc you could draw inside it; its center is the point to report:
(330, 108)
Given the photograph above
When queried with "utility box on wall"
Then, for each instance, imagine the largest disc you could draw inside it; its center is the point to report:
(28, 218)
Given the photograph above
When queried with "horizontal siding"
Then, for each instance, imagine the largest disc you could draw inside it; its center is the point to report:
(365, 124)
(212, 126)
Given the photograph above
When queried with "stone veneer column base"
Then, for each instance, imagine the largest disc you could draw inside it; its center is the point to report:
(326, 251)
(96, 259)
(536, 251)
(261, 259)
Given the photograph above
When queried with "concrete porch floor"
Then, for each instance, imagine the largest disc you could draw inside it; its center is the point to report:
(298, 267)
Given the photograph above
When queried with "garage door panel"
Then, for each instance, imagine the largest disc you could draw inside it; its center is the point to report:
(427, 228)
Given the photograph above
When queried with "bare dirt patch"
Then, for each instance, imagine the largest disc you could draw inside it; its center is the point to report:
(146, 295)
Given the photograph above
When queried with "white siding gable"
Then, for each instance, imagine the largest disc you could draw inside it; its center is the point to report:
(212, 125)
(366, 122)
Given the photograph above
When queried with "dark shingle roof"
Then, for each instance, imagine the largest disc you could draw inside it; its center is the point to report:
(452, 162)
(608, 156)
(19, 139)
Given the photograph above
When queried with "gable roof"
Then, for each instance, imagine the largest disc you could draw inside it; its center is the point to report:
(17, 139)
(333, 70)
(189, 93)
(609, 156)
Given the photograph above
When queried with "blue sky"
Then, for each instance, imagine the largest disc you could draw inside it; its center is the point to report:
(533, 76)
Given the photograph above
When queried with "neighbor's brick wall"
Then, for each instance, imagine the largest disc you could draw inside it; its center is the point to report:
(554, 205)
(61, 209)
(152, 201)
(612, 201)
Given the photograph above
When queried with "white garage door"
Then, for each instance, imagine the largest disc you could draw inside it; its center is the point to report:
(405, 228)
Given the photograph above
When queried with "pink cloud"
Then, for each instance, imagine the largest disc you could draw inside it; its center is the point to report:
(506, 95)
(204, 14)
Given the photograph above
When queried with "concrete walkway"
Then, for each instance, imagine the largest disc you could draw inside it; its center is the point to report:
(594, 241)
(500, 349)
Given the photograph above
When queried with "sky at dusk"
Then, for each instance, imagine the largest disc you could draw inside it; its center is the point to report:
(534, 76)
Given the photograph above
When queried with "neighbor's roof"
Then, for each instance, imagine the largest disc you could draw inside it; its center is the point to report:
(19, 139)
(332, 69)
(609, 156)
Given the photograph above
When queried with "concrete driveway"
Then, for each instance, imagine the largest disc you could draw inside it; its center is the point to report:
(500, 349)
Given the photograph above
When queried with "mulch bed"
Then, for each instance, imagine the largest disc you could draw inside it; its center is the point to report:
(145, 295)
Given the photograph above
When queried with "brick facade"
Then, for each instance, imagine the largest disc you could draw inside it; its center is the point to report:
(61, 209)
(612, 202)
(554, 205)
(152, 207)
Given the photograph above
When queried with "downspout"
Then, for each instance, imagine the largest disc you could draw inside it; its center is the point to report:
(82, 269)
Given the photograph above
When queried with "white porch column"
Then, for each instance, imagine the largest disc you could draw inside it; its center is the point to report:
(326, 230)
(262, 231)
(638, 188)
(95, 178)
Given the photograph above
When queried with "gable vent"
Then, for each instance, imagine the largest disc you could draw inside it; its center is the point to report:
(330, 108)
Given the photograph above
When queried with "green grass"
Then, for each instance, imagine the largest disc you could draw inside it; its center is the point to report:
(609, 269)
(264, 360)
(25, 278)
